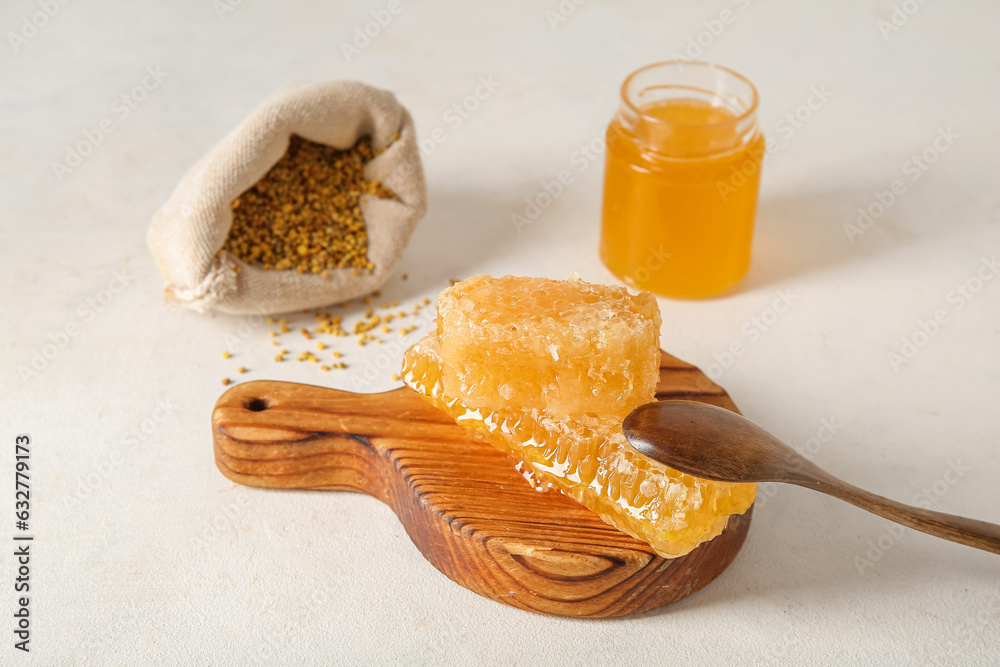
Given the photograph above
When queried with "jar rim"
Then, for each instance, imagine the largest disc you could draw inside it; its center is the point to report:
(750, 110)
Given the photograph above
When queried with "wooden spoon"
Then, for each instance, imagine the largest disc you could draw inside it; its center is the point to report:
(712, 443)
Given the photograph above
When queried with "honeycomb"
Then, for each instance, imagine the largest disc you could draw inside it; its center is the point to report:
(567, 346)
(546, 371)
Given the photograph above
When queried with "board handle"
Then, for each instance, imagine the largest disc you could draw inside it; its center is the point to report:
(294, 436)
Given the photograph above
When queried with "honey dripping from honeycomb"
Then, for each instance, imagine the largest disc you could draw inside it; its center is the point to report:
(547, 370)
(305, 213)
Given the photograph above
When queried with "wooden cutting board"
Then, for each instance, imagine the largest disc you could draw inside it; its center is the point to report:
(461, 501)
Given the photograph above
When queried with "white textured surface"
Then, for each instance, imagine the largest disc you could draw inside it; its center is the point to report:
(163, 560)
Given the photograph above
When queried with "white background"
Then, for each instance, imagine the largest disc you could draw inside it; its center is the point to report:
(145, 554)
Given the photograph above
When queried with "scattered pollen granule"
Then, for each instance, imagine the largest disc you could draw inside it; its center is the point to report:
(362, 325)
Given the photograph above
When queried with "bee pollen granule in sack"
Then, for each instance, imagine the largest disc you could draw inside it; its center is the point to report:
(340, 151)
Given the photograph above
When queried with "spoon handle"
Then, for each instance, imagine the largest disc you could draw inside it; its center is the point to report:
(970, 532)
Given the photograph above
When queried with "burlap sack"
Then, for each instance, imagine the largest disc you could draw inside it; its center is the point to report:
(188, 230)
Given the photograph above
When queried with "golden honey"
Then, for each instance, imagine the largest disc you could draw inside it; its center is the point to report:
(682, 174)
(546, 370)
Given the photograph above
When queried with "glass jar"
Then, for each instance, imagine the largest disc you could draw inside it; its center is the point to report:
(681, 178)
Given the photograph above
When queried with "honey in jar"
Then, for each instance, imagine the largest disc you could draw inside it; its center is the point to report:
(683, 169)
